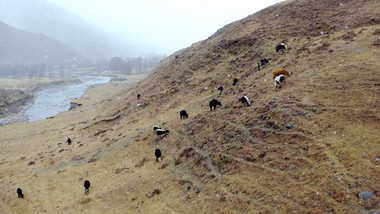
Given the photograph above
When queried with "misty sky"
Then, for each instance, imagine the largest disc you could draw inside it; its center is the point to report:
(167, 24)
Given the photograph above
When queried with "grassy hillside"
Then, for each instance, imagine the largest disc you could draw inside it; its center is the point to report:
(311, 147)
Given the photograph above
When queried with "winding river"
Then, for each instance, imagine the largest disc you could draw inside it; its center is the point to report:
(49, 102)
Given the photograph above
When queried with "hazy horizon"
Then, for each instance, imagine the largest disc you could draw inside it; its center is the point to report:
(165, 26)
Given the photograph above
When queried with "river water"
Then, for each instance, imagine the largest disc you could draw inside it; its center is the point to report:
(50, 101)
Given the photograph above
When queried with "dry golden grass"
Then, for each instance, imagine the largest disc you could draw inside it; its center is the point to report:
(232, 160)
(24, 84)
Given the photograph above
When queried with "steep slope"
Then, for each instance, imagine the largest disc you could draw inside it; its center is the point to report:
(311, 147)
(18, 46)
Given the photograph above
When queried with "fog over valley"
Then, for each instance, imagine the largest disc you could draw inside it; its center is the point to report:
(43, 17)
(83, 33)
(50, 42)
(55, 42)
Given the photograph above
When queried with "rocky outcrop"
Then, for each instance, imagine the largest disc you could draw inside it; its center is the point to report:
(74, 105)
(12, 101)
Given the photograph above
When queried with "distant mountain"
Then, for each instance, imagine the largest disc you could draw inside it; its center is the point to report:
(18, 46)
(41, 16)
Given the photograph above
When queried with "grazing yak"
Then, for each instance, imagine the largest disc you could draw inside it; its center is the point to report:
(214, 103)
(86, 186)
(262, 63)
(138, 96)
(155, 128)
(235, 82)
(183, 114)
(281, 47)
(278, 81)
(157, 153)
(68, 141)
(161, 132)
(280, 71)
(220, 88)
(141, 105)
(19, 192)
(245, 100)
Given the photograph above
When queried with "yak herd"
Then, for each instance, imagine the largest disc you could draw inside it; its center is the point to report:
(279, 79)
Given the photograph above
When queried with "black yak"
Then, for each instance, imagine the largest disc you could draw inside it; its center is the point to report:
(86, 186)
(19, 192)
(235, 82)
(161, 132)
(245, 100)
(281, 47)
(214, 103)
(157, 153)
(262, 63)
(183, 114)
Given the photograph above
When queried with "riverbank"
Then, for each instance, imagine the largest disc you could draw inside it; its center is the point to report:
(56, 99)
(23, 108)
(17, 94)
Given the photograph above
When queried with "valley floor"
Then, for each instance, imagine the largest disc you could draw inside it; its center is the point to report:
(16, 94)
